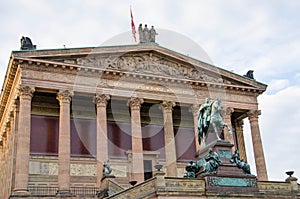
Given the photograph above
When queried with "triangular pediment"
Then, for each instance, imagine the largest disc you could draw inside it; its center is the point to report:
(146, 60)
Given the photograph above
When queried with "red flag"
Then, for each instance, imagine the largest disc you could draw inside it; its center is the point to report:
(132, 26)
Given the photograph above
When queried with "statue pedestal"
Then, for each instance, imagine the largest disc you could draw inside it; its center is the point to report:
(228, 178)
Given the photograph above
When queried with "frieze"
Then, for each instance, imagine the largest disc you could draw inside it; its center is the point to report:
(148, 63)
(43, 168)
(151, 87)
(83, 170)
(119, 170)
(273, 187)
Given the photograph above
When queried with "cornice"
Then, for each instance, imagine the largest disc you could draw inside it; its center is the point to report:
(127, 49)
(134, 75)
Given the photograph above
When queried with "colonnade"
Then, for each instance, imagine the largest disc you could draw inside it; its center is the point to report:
(65, 96)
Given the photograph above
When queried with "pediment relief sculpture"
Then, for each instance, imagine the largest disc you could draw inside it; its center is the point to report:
(149, 64)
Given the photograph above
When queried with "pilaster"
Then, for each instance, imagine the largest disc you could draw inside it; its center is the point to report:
(64, 141)
(136, 136)
(102, 142)
(257, 145)
(170, 147)
(23, 140)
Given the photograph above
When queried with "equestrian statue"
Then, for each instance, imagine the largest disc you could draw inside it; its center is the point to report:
(209, 119)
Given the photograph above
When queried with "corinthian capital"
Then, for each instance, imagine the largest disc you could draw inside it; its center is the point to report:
(194, 109)
(26, 91)
(239, 123)
(101, 100)
(226, 112)
(135, 103)
(64, 96)
(167, 105)
(253, 114)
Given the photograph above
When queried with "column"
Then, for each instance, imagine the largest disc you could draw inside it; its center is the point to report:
(137, 142)
(195, 109)
(257, 145)
(170, 148)
(23, 140)
(64, 142)
(240, 139)
(102, 140)
(227, 119)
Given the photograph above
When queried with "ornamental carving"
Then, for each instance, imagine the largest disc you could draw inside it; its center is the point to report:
(168, 105)
(239, 124)
(194, 109)
(226, 112)
(135, 103)
(64, 96)
(101, 100)
(26, 91)
(148, 63)
(253, 114)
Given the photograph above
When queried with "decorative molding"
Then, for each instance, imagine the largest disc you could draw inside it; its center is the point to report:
(64, 96)
(148, 63)
(26, 91)
(252, 114)
(239, 124)
(83, 170)
(101, 100)
(167, 105)
(226, 112)
(135, 103)
(194, 109)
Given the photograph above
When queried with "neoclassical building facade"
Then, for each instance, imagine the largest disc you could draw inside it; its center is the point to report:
(66, 111)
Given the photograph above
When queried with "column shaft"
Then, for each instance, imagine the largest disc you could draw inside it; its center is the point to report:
(195, 109)
(257, 146)
(240, 139)
(23, 140)
(227, 119)
(170, 148)
(137, 142)
(64, 142)
(102, 140)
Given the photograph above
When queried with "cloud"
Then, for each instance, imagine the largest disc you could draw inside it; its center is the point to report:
(279, 126)
(277, 84)
(236, 35)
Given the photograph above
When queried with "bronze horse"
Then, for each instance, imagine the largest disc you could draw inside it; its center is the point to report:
(215, 121)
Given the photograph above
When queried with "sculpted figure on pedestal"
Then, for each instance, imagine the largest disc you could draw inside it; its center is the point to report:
(207, 165)
(26, 44)
(210, 114)
(106, 168)
(241, 164)
(147, 35)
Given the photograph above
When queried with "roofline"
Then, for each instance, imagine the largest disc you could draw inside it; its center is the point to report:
(144, 47)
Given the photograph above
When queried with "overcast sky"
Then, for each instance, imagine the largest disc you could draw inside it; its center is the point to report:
(236, 35)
